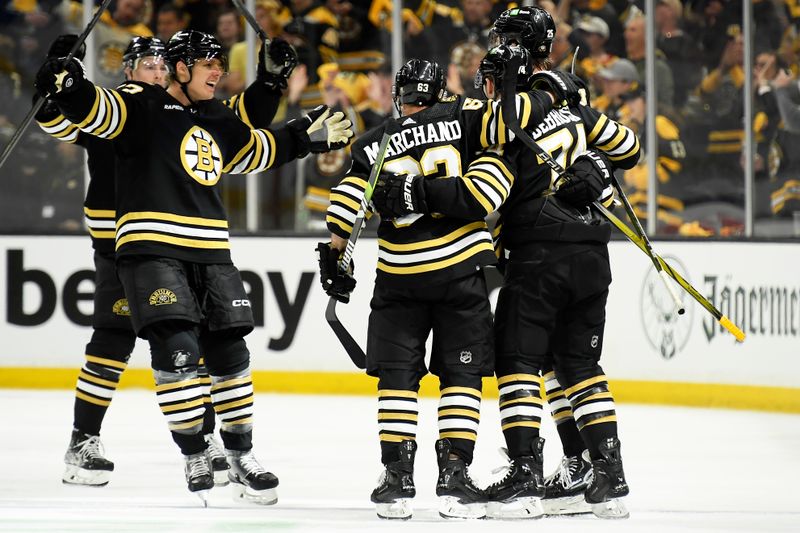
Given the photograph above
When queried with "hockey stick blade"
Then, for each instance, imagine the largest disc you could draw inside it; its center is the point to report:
(349, 344)
(724, 321)
(40, 102)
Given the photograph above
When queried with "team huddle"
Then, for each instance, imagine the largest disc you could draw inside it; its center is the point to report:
(158, 145)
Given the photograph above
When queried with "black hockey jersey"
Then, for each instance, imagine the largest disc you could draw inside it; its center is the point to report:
(169, 158)
(256, 106)
(439, 141)
(565, 133)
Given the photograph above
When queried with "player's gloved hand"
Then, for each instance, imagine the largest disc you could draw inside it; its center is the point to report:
(276, 61)
(568, 89)
(334, 282)
(397, 195)
(320, 131)
(62, 46)
(586, 179)
(56, 76)
(48, 112)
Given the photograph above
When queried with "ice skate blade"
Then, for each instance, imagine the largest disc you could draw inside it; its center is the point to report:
(568, 505)
(529, 508)
(221, 478)
(243, 493)
(400, 509)
(450, 507)
(612, 509)
(75, 475)
(203, 495)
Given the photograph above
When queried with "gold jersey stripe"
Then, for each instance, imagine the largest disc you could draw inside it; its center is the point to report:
(91, 399)
(178, 241)
(177, 385)
(341, 199)
(428, 267)
(180, 219)
(613, 142)
(242, 153)
(99, 213)
(598, 127)
(104, 234)
(585, 383)
(527, 107)
(347, 228)
(123, 111)
(478, 195)
(92, 112)
(432, 243)
(106, 362)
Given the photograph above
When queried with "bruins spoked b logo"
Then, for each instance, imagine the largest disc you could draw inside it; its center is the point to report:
(201, 157)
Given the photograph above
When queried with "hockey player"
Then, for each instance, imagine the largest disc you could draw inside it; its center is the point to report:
(553, 298)
(429, 275)
(113, 337)
(173, 255)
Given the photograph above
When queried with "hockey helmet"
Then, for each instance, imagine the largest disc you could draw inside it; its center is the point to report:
(190, 45)
(418, 82)
(493, 66)
(140, 47)
(531, 27)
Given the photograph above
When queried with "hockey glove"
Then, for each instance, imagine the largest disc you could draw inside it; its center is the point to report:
(567, 88)
(276, 61)
(62, 46)
(586, 179)
(334, 282)
(397, 195)
(320, 131)
(57, 77)
(48, 112)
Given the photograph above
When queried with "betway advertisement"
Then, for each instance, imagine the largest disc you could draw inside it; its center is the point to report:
(47, 286)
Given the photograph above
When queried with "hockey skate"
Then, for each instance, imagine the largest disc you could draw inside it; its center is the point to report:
(518, 495)
(251, 483)
(565, 488)
(219, 462)
(198, 475)
(608, 487)
(458, 495)
(85, 462)
(392, 496)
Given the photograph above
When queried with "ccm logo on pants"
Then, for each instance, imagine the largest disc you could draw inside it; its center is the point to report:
(240, 303)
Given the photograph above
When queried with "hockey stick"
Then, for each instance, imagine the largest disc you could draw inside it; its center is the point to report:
(250, 20)
(348, 342)
(509, 112)
(724, 321)
(40, 101)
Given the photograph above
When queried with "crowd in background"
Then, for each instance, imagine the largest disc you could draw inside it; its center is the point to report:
(344, 50)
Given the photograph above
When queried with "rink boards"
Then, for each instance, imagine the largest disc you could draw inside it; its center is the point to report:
(650, 353)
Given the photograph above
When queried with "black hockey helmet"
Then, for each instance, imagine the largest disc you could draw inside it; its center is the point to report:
(140, 47)
(418, 82)
(531, 27)
(190, 45)
(493, 66)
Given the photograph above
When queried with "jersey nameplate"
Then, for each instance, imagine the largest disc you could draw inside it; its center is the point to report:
(402, 141)
(554, 119)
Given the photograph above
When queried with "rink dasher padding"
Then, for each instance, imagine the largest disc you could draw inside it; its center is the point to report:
(651, 354)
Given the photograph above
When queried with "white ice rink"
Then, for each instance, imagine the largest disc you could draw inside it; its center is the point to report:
(689, 470)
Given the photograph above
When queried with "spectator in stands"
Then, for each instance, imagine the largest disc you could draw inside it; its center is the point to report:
(229, 29)
(361, 42)
(787, 95)
(170, 19)
(635, 49)
(464, 62)
(447, 26)
(594, 32)
(572, 11)
(681, 50)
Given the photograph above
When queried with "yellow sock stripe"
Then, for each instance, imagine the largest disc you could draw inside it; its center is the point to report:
(598, 396)
(466, 435)
(98, 381)
(180, 406)
(248, 420)
(224, 407)
(222, 385)
(473, 415)
(462, 390)
(518, 377)
(521, 423)
(525, 399)
(175, 426)
(603, 420)
(387, 437)
(92, 399)
(382, 393)
(398, 416)
(177, 385)
(562, 415)
(106, 362)
(584, 384)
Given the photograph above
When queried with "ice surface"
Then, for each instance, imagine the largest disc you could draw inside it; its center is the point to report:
(690, 470)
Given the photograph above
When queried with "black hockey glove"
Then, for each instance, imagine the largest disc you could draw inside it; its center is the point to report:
(48, 112)
(57, 77)
(276, 61)
(320, 131)
(397, 195)
(62, 46)
(586, 179)
(334, 283)
(567, 88)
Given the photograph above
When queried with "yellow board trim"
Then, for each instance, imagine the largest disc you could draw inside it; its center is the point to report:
(728, 396)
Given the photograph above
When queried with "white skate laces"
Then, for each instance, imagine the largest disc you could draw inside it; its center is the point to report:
(214, 449)
(563, 476)
(250, 464)
(89, 449)
(197, 466)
